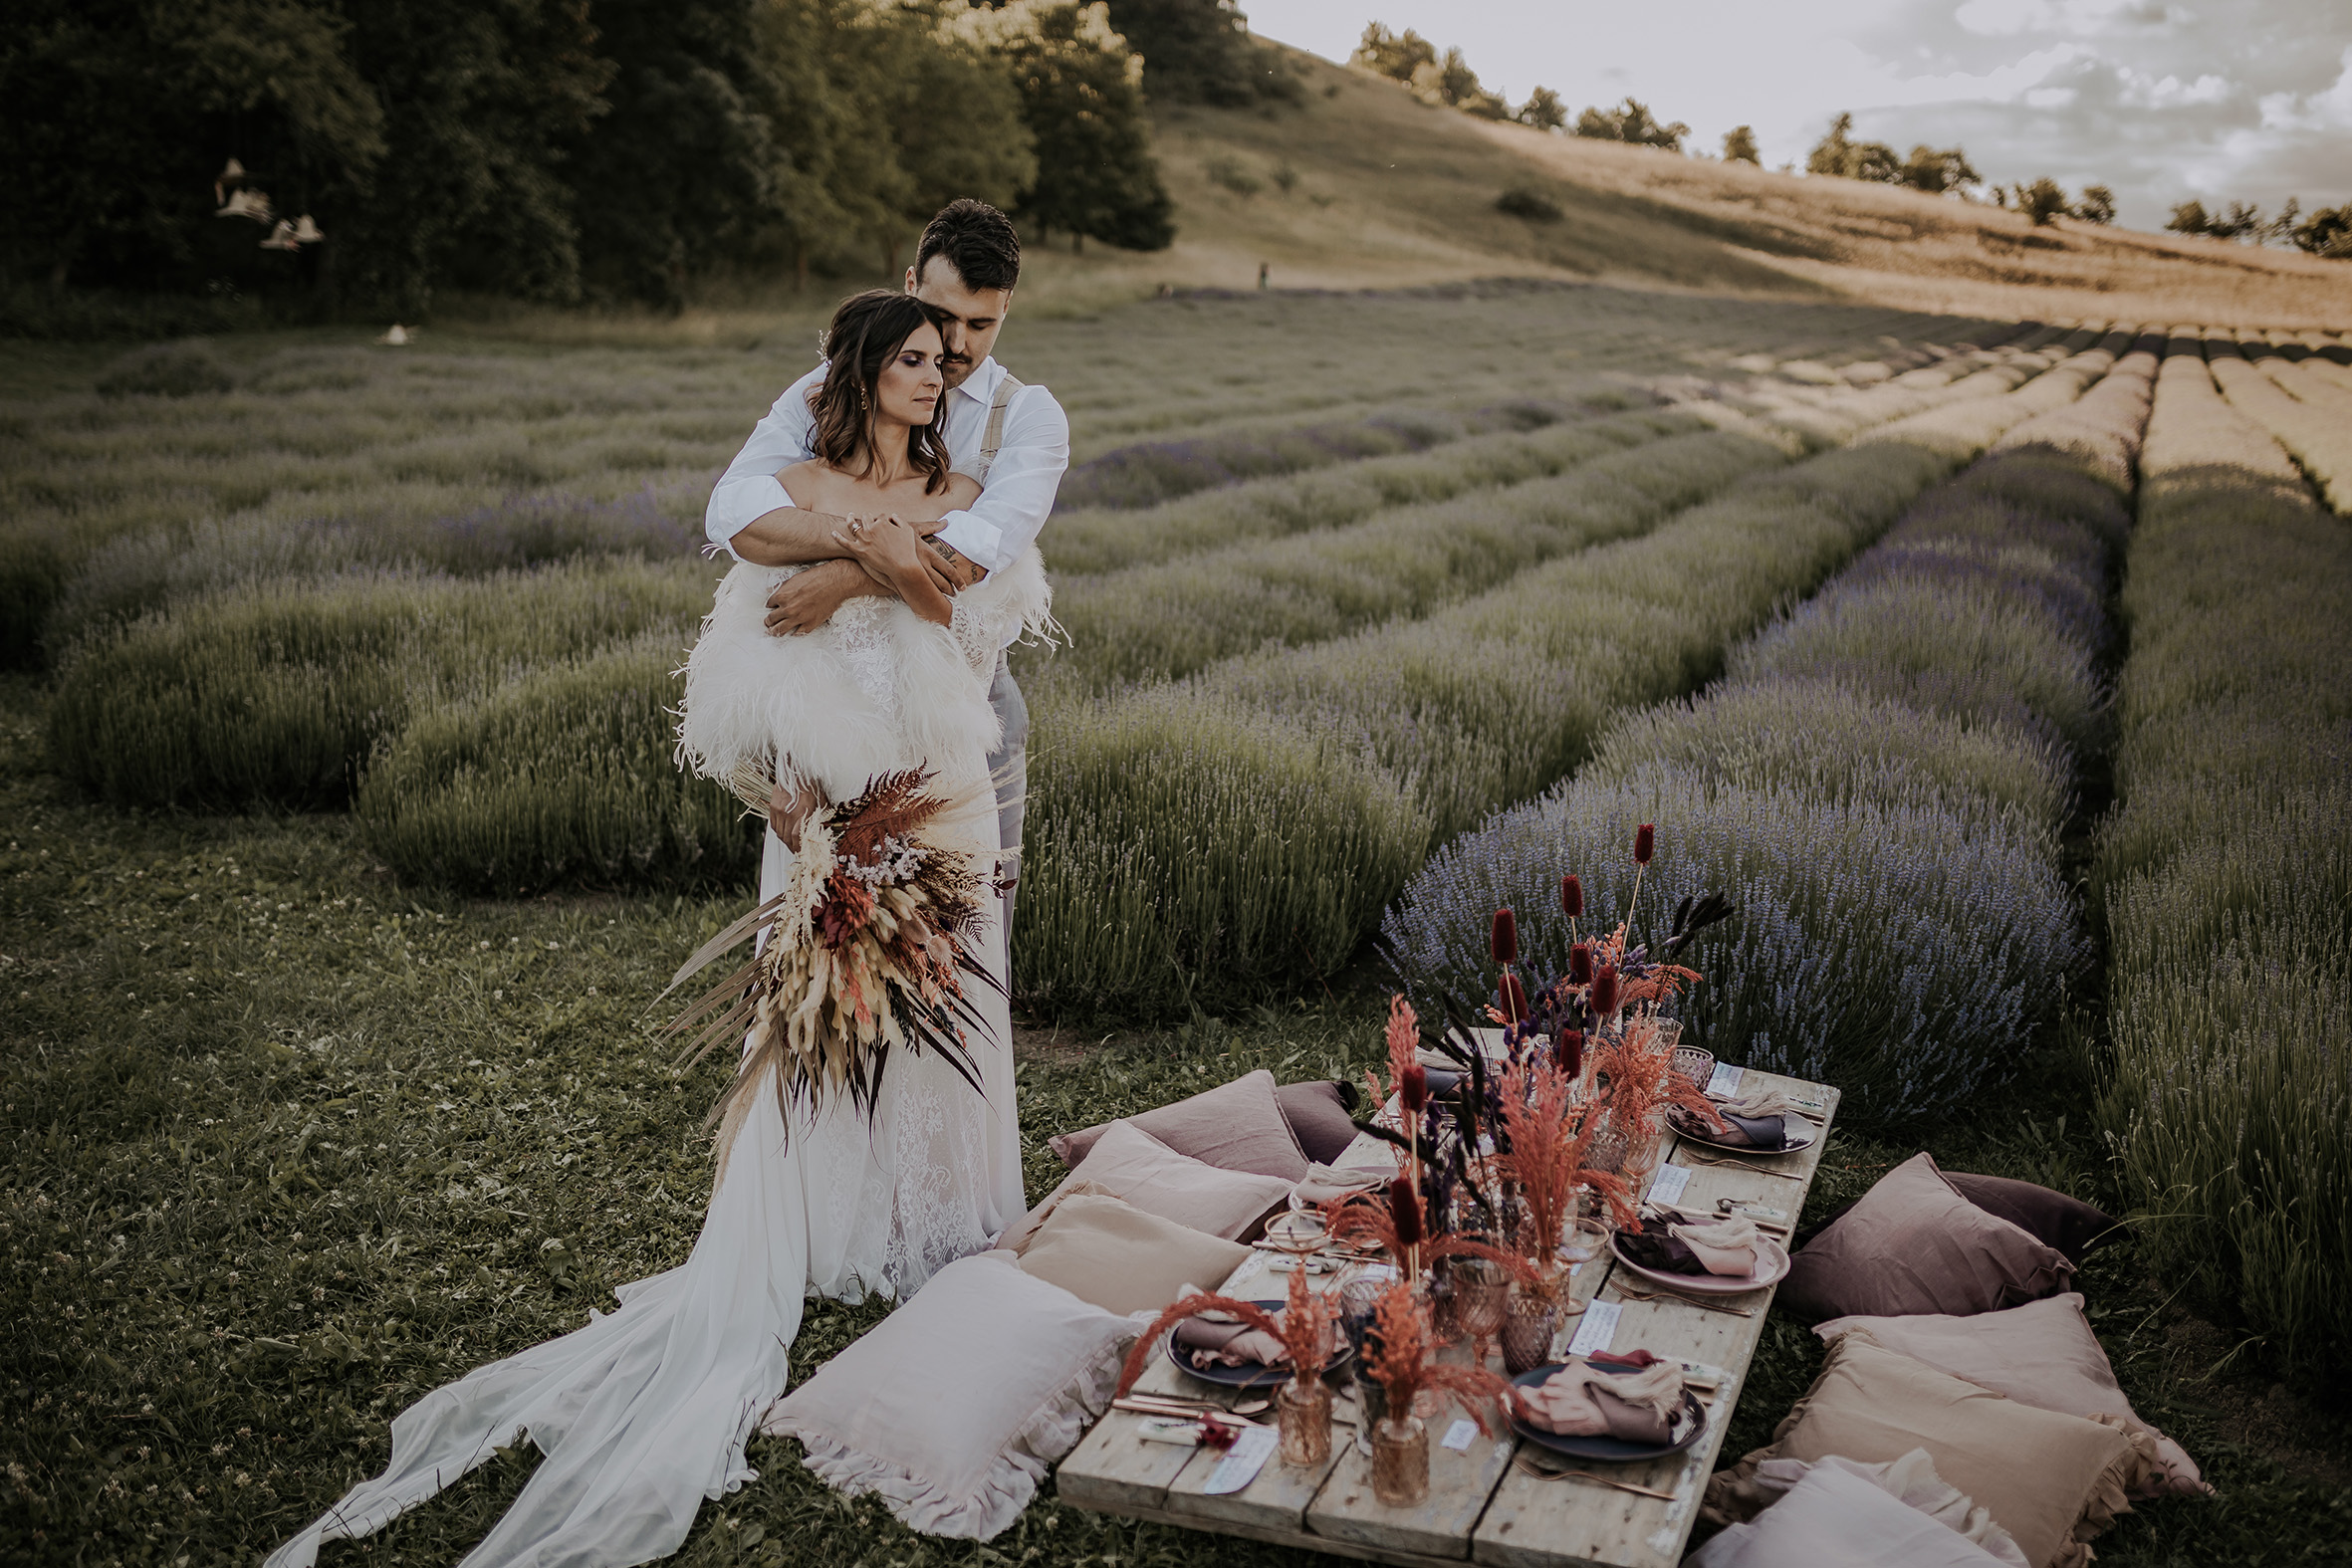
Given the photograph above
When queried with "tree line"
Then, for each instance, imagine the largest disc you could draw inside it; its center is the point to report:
(1446, 80)
(377, 150)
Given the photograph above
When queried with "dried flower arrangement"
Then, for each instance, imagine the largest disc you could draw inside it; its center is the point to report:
(1307, 1327)
(866, 952)
(1398, 1347)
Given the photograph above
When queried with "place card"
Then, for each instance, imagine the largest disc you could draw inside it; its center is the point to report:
(1666, 1186)
(1458, 1436)
(1596, 1327)
(1725, 1083)
(1242, 1460)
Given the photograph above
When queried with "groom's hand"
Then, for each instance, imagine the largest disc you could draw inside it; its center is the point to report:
(807, 600)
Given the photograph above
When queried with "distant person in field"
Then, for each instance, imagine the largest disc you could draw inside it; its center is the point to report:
(834, 1180)
(1012, 438)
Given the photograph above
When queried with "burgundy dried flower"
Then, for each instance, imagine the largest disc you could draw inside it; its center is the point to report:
(1404, 1207)
(1505, 937)
(1645, 840)
(1568, 1051)
(1515, 999)
(1580, 964)
(1571, 895)
(1412, 1088)
(1604, 990)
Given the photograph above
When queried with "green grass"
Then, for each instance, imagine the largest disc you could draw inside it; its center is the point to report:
(336, 1137)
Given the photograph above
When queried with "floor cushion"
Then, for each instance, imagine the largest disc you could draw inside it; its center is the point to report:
(1118, 1258)
(1238, 1126)
(1841, 1515)
(1127, 1162)
(1318, 1112)
(2052, 1480)
(2042, 1354)
(1913, 1243)
(953, 1407)
(2067, 1223)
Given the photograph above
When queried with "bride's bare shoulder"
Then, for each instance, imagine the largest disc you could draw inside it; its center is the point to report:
(805, 482)
(962, 489)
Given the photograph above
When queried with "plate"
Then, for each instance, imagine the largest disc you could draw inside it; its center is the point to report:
(1253, 1375)
(1692, 1421)
(1790, 1144)
(1770, 1271)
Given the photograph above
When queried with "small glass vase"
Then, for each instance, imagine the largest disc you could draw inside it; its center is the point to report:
(1303, 1416)
(1529, 1320)
(1400, 1462)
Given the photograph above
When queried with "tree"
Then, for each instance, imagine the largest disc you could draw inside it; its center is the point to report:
(1081, 98)
(2043, 201)
(1543, 110)
(119, 115)
(1631, 122)
(1440, 81)
(2190, 217)
(681, 170)
(1200, 51)
(2281, 229)
(2097, 206)
(1937, 170)
(2327, 232)
(1739, 146)
(1839, 154)
(1392, 54)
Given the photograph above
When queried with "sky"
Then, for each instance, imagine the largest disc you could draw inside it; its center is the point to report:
(2217, 99)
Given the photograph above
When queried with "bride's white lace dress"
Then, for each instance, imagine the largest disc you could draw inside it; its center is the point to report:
(644, 1413)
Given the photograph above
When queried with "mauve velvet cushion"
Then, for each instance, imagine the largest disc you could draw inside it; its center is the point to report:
(1318, 1114)
(1129, 1163)
(1914, 1245)
(1237, 1126)
(2071, 1225)
(2042, 1354)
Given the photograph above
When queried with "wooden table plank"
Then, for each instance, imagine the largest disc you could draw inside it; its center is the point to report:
(1117, 1471)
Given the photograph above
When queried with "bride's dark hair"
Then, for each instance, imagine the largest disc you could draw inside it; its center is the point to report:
(867, 331)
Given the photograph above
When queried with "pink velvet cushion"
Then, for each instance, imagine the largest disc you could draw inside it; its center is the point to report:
(1129, 1164)
(1238, 1126)
(1914, 1245)
(2042, 1354)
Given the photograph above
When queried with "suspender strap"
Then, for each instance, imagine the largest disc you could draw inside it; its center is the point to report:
(994, 436)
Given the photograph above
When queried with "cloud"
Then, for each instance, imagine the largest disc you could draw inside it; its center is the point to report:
(2082, 18)
(2328, 110)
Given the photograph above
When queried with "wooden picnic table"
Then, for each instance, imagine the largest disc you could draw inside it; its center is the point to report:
(1483, 1505)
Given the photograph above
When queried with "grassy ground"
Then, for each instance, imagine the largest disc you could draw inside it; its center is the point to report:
(289, 1145)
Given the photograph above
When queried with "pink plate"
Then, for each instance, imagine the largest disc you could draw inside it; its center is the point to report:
(1771, 1268)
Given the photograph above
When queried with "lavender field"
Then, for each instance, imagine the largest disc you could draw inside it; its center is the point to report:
(1994, 669)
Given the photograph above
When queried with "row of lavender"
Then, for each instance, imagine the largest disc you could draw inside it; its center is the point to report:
(2226, 872)
(1879, 783)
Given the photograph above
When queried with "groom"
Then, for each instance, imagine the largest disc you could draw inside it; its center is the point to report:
(1013, 437)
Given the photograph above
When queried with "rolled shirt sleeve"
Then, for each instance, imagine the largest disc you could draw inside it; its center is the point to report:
(1018, 493)
(749, 490)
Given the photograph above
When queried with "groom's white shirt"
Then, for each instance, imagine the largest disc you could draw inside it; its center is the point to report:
(993, 531)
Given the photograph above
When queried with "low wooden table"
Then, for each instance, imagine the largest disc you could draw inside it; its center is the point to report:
(1482, 1505)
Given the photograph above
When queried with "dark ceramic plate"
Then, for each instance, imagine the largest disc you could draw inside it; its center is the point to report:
(1692, 1130)
(1692, 1423)
(1250, 1375)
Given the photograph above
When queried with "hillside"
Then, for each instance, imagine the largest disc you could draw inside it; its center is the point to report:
(1366, 187)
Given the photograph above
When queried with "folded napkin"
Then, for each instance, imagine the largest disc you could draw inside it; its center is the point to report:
(1582, 1399)
(1737, 1132)
(1327, 1184)
(1768, 1102)
(1219, 1343)
(1724, 1245)
(1664, 1242)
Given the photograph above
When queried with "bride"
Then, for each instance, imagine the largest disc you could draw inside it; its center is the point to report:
(644, 1413)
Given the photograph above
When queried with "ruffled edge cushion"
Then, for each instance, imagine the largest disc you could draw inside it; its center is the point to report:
(1008, 1485)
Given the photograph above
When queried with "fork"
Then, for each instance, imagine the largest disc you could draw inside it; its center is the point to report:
(1541, 1473)
(1682, 1300)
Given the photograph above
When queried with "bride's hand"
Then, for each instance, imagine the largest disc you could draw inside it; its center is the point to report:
(788, 807)
(892, 552)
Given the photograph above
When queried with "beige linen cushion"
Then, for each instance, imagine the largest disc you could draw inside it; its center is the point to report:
(1840, 1514)
(1915, 1245)
(1237, 1126)
(954, 1406)
(2042, 1354)
(1121, 1260)
(2052, 1480)
(1127, 1162)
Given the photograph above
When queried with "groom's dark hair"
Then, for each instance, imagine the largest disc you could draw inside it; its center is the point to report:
(977, 240)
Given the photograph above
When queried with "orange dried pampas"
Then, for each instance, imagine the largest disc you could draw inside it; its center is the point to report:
(1397, 1349)
(1549, 1139)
